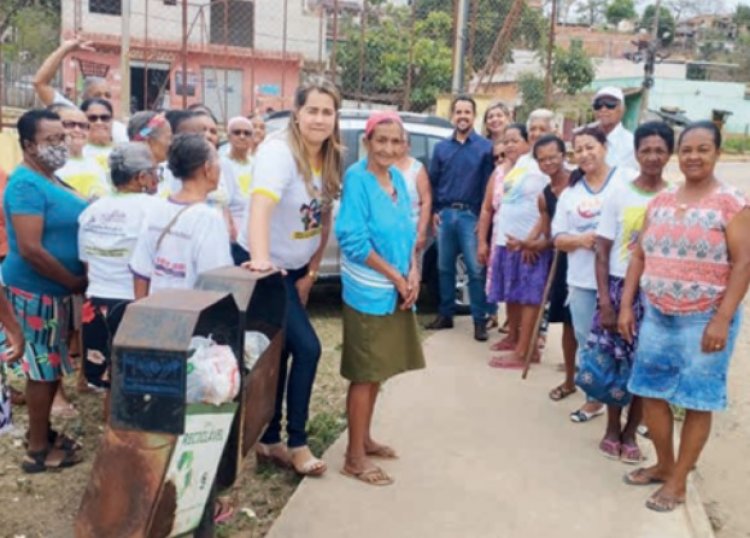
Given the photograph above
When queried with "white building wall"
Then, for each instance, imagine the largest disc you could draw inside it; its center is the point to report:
(304, 31)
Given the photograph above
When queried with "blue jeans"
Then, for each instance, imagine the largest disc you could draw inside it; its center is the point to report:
(296, 379)
(582, 305)
(457, 234)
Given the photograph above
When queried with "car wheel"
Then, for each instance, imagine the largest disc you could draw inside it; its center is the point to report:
(463, 301)
(431, 280)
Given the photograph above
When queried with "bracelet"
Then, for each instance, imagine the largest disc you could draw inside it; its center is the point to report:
(313, 275)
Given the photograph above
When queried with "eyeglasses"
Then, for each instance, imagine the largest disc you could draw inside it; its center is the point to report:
(104, 118)
(609, 105)
(83, 126)
(242, 132)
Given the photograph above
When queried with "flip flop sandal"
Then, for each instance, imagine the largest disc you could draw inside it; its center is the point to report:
(264, 454)
(503, 345)
(560, 393)
(581, 416)
(506, 362)
(383, 452)
(39, 462)
(631, 454)
(632, 478)
(610, 449)
(663, 503)
(373, 476)
(223, 510)
(313, 466)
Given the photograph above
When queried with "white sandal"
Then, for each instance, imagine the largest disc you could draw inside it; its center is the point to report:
(312, 466)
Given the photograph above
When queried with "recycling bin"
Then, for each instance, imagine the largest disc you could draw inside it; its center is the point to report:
(261, 300)
(154, 473)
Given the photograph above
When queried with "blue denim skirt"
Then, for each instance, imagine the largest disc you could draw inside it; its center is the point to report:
(669, 364)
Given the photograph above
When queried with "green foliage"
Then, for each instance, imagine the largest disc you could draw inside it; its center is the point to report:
(35, 29)
(620, 10)
(531, 88)
(666, 26)
(591, 11)
(742, 16)
(572, 69)
(386, 57)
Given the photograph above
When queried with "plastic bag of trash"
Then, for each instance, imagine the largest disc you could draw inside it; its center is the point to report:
(212, 373)
(255, 344)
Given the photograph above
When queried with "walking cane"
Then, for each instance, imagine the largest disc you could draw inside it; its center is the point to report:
(540, 316)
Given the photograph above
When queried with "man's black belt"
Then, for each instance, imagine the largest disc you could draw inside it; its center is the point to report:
(460, 206)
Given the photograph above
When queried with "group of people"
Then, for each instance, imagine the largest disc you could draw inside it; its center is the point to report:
(646, 278)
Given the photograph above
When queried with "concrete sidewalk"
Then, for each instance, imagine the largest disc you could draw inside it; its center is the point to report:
(483, 454)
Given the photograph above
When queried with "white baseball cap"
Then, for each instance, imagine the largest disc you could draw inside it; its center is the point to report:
(610, 91)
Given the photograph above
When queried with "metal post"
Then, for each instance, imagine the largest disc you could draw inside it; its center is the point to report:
(362, 30)
(459, 48)
(125, 60)
(648, 67)
(283, 54)
(321, 35)
(550, 49)
(184, 52)
(335, 37)
(410, 67)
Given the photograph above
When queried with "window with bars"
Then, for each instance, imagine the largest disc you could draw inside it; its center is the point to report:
(232, 23)
(105, 7)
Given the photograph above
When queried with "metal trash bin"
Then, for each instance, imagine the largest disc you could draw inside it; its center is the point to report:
(155, 470)
(261, 300)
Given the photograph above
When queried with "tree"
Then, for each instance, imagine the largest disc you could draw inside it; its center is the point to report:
(666, 26)
(572, 69)
(621, 10)
(531, 88)
(591, 11)
(742, 17)
(386, 57)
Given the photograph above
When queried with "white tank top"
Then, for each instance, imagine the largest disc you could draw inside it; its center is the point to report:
(410, 176)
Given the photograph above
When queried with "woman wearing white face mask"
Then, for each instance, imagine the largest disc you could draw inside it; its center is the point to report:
(42, 272)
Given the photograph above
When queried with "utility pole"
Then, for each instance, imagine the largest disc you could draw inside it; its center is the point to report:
(648, 67)
(459, 47)
(125, 60)
(550, 49)
(184, 52)
(335, 38)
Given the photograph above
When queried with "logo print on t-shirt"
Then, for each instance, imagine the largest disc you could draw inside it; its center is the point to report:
(310, 217)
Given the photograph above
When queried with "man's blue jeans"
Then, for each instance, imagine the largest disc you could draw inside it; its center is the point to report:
(457, 235)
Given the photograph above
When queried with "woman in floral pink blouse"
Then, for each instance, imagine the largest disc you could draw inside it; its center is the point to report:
(693, 264)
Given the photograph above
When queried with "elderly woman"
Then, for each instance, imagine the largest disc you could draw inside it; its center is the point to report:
(42, 272)
(238, 161)
(380, 279)
(82, 173)
(540, 122)
(497, 117)
(518, 274)
(574, 232)
(183, 236)
(99, 113)
(105, 246)
(607, 359)
(693, 264)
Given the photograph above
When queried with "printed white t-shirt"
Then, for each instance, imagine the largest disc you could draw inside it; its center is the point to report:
(296, 220)
(621, 221)
(522, 186)
(242, 171)
(107, 233)
(86, 177)
(578, 212)
(197, 242)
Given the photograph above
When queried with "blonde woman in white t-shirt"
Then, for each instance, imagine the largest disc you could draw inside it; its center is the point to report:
(297, 175)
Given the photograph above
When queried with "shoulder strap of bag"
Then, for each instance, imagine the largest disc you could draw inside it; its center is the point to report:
(170, 225)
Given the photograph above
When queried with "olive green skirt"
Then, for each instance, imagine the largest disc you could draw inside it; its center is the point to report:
(378, 347)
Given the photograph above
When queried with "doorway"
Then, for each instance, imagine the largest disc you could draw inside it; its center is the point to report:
(149, 86)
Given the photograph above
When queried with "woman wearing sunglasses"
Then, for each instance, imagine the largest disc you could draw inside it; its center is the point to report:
(82, 173)
(99, 115)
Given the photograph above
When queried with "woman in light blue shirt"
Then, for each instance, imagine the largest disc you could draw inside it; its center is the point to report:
(380, 282)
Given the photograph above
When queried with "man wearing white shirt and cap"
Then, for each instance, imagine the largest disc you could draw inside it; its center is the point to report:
(609, 107)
